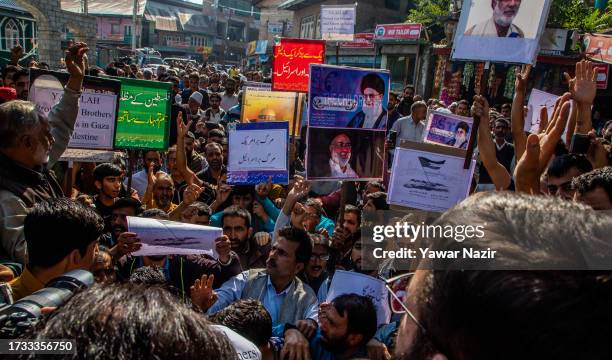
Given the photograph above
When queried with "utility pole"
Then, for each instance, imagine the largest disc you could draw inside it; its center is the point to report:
(134, 19)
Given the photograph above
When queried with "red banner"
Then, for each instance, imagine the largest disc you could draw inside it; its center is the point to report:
(398, 32)
(603, 71)
(362, 41)
(290, 66)
(599, 48)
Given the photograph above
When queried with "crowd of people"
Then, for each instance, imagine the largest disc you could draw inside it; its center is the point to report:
(265, 295)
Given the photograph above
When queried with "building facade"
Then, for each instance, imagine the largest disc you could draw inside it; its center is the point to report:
(17, 27)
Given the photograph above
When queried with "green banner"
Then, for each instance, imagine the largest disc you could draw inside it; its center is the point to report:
(144, 115)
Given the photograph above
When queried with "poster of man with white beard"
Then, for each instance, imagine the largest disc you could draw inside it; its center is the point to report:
(500, 30)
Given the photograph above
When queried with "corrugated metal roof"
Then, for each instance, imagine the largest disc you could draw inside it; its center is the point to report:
(10, 4)
(185, 18)
(105, 7)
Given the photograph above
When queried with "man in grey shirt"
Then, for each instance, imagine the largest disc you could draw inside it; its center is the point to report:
(411, 127)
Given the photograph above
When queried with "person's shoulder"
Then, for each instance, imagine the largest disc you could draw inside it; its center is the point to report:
(244, 348)
(518, 30)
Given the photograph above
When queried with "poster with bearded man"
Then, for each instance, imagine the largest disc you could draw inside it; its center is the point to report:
(500, 30)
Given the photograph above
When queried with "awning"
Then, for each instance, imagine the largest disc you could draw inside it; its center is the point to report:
(105, 7)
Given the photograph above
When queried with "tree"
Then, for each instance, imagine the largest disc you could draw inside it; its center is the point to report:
(430, 12)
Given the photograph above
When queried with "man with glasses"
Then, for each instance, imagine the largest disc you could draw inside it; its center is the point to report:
(315, 273)
(562, 170)
(513, 314)
(340, 149)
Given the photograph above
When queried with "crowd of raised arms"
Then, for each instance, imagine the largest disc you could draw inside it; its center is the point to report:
(265, 295)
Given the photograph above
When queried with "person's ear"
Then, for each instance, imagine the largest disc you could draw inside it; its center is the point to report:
(98, 184)
(299, 267)
(74, 259)
(28, 141)
(439, 357)
(250, 232)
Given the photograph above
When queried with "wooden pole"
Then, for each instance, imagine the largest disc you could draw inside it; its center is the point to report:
(131, 156)
(472, 143)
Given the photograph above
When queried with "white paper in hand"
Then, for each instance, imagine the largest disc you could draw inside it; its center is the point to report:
(164, 237)
(348, 282)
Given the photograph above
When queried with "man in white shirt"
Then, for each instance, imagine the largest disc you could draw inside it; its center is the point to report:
(214, 113)
(500, 24)
(229, 99)
(412, 127)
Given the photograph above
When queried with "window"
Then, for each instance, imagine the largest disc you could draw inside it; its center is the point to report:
(127, 30)
(392, 4)
(307, 27)
(318, 27)
(115, 29)
(11, 33)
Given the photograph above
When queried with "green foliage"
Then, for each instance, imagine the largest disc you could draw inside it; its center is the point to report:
(565, 14)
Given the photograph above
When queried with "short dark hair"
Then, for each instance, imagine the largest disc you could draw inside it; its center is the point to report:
(21, 72)
(54, 228)
(394, 95)
(155, 213)
(373, 81)
(106, 169)
(379, 199)
(148, 275)
(202, 208)
(316, 204)
(416, 105)
(601, 177)
(377, 184)
(236, 211)
(214, 95)
(128, 202)
(154, 324)
(247, 317)
(216, 133)
(360, 313)
(17, 117)
(503, 121)
(464, 102)
(144, 153)
(352, 209)
(561, 165)
(304, 250)
(506, 106)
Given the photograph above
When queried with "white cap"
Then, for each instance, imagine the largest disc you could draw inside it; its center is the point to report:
(197, 96)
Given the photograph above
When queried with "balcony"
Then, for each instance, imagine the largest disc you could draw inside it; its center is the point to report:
(114, 37)
(176, 44)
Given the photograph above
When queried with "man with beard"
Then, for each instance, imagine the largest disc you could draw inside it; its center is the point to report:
(347, 323)
(195, 161)
(393, 106)
(491, 313)
(121, 241)
(214, 114)
(229, 99)
(460, 140)
(107, 179)
(315, 274)
(214, 157)
(160, 192)
(504, 152)
(21, 79)
(236, 224)
(140, 178)
(340, 149)
(500, 24)
(285, 296)
(463, 108)
(372, 114)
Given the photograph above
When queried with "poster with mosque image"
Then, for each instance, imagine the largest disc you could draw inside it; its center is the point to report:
(500, 30)
(260, 106)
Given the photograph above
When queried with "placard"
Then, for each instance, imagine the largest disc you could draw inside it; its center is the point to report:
(537, 100)
(348, 97)
(258, 151)
(448, 130)
(338, 22)
(254, 85)
(144, 115)
(97, 116)
(429, 177)
(398, 32)
(598, 47)
(361, 41)
(87, 155)
(603, 71)
(350, 282)
(290, 65)
(270, 106)
(165, 237)
(500, 31)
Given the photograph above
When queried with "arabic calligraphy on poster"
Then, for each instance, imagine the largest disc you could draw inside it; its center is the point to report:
(258, 151)
(292, 57)
(143, 120)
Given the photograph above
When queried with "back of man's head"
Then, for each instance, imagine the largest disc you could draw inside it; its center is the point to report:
(519, 314)
(561, 165)
(136, 321)
(590, 181)
(249, 318)
(128, 202)
(360, 313)
(55, 228)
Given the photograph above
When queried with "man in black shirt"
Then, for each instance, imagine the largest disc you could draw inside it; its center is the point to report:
(107, 179)
(504, 152)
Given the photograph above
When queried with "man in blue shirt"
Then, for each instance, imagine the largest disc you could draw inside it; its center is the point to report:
(286, 297)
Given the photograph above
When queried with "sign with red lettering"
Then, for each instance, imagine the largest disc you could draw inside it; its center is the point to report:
(292, 58)
(599, 47)
(361, 41)
(398, 32)
(603, 71)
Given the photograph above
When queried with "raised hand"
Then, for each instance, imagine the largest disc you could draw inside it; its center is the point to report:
(520, 84)
(181, 127)
(583, 86)
(127, 243)
(262, 238)
(191, 194)
(202, 294)
(16, 54)
(264, 189)
(223, 248)
(76, 59)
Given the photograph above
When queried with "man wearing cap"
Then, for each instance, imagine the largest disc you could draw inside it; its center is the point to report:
(194, 112)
